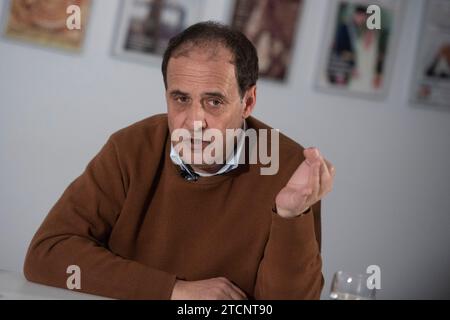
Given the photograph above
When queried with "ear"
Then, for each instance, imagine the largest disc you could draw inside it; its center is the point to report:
(249, 101)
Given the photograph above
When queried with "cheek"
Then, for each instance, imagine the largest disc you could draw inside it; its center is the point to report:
(236, 117)
(233, 121)
(175, 118)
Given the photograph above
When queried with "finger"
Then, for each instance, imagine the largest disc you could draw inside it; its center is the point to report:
(327, 177)
(227, 295)
(232, 290)
(311, 155)
(315, 183)
(332, 172)
(325, 180)
(309, 190)
(234, 294)
(326, 165)
(235, 291)
(310, 186)
(330, 167)
(242, 293)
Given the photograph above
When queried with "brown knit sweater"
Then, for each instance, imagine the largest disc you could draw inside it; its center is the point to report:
(133, 225)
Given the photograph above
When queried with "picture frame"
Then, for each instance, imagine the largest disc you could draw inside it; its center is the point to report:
(44, 22)
(355, 60)
(271, 25)
(431, 79)
(145, 27)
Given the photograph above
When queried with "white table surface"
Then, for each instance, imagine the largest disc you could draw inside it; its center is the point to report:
(14, 286)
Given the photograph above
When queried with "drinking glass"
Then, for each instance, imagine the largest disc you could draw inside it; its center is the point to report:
(348, 286)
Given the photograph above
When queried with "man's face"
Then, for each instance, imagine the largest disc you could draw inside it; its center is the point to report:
(202, 86)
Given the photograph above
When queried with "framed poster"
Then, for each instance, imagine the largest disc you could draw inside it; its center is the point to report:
(431, 82)
(271, 27)
(356, 59)
(146, 26)
(44, 22)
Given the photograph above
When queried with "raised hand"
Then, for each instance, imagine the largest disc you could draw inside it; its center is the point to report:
(312, 180)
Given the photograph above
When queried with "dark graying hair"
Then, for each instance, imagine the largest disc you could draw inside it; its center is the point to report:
(245, 58)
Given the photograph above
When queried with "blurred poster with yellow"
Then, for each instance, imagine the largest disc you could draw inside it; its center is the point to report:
(44, 22)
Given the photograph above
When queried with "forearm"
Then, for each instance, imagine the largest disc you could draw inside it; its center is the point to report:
(292, 265)
(102, 272)
(76, 232)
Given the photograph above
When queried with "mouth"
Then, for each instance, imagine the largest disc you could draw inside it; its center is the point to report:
(196, 144)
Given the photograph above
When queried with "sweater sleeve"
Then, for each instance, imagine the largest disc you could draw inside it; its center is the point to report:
(76, 232)
(291, 267)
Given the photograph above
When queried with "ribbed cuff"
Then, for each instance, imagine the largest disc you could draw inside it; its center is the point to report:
(298, 229)
(154, 284)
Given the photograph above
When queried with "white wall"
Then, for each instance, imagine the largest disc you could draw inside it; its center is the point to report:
(390, 205)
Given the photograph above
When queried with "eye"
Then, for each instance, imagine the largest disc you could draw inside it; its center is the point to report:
(182, 99)
(215, 102)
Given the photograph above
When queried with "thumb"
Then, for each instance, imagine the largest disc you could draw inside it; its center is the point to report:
(311, 155)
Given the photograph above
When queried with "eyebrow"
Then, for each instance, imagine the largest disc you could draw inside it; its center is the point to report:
(215, 94)
(178, 93)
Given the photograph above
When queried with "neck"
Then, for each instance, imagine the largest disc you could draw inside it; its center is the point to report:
(207, 168)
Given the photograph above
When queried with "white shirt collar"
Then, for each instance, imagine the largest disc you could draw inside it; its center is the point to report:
(231, 163)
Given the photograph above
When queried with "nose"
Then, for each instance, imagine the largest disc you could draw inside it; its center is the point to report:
(196, 118)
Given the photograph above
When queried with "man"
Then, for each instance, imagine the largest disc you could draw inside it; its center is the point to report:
(145, 222)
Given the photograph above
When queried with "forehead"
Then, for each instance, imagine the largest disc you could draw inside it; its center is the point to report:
(202, 67)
